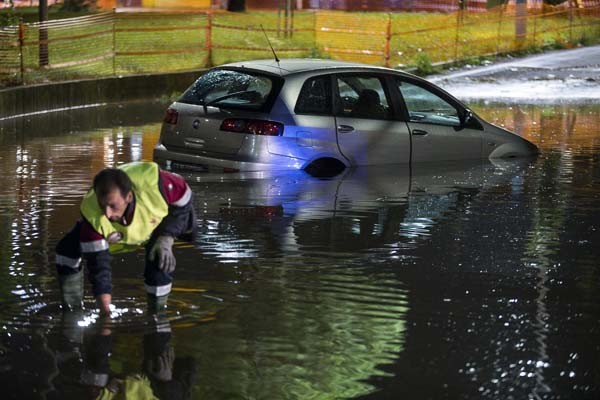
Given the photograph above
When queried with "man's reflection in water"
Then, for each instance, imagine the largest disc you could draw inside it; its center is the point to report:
(162, 376)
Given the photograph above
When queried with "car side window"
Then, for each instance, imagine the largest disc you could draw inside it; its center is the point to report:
(427, 107)
(362, 96)
(315, 96)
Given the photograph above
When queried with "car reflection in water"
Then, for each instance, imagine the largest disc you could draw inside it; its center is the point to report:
(331, 257)
(282, 213)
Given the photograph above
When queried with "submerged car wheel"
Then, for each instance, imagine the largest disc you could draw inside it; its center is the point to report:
(325, 167)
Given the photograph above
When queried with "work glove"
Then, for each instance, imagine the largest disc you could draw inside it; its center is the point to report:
(163, 249)
(161, 365)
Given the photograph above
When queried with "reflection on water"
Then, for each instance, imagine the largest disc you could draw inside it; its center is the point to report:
(440, 281)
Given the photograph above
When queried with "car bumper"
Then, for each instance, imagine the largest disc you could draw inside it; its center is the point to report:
(168, 158)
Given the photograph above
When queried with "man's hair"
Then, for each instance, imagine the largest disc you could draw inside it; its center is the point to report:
(110, 178)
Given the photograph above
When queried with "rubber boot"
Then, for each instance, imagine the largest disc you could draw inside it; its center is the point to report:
(157, 304)
(71, 291)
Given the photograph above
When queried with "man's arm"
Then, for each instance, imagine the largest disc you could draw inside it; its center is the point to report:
(181, 219)
(94, 249)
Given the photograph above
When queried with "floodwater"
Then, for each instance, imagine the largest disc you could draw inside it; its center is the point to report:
(457, 281)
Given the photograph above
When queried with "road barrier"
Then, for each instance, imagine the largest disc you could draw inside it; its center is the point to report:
(130, 43)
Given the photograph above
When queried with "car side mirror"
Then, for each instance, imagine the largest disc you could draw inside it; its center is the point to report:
(468, 120)
(466, 117)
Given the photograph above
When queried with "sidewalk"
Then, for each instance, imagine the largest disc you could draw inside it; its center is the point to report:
(557, 76)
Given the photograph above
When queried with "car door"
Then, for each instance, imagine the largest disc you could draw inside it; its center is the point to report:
(367, 131)
(312, 134)
(434, 120)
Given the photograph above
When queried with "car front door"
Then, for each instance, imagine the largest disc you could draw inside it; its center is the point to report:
(367, 132)
(434, 120)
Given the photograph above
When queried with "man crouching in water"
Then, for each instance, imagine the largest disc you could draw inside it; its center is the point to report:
(135, 204)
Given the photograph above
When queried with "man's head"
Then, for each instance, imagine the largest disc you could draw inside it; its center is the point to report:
(113, 191)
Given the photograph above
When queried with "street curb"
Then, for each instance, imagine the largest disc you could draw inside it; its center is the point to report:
(28, 100)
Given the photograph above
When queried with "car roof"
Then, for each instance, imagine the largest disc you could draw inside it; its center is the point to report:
(291, 66)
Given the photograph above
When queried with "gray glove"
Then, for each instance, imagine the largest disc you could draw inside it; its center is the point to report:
(163, 249)
(161, 366)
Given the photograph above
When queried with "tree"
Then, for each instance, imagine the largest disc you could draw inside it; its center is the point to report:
(78, 5)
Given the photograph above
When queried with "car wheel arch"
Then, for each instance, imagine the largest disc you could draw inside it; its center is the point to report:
(325, 166)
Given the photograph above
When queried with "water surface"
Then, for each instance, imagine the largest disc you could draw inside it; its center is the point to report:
(461, 280)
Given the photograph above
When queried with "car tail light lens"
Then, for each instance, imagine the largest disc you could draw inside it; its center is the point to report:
(252, 126)
(171, 116)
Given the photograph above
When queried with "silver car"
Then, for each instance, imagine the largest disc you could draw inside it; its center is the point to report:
(322, 115)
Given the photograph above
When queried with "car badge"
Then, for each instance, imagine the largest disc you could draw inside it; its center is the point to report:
(196, 123)
(115, 237)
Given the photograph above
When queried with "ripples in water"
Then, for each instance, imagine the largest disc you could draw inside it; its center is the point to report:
(444, 281)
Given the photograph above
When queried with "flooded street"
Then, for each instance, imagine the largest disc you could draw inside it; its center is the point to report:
(453, 281)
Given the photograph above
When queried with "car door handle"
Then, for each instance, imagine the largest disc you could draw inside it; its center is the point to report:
(419, 132)
(345, 128)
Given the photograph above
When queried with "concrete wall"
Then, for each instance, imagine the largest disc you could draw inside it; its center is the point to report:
(54, 96)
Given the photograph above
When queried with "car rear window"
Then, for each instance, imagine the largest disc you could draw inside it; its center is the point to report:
(231, 89)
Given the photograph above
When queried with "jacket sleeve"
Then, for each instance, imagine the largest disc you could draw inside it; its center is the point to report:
(94, 248)
(181, 220)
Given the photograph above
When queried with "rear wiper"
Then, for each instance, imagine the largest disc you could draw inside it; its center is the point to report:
(228, 95)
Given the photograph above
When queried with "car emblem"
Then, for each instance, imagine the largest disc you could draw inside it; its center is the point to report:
(196, 123)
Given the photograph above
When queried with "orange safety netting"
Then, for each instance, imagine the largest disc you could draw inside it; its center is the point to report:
(128, 43)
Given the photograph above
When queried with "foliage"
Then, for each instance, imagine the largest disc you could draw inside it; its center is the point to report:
(9, 17)
(318, 52)
(423, 64)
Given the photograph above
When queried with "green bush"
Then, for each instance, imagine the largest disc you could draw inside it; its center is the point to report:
(423, 64)
(9, 17)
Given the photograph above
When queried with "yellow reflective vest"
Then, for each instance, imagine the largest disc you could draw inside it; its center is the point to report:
(150, 208)
(134, 387)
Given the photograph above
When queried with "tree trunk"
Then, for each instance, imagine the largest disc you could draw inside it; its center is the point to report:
(236, 5)
(43, 33)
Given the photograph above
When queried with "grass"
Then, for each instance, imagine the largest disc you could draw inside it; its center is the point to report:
(417, 41)
(30, 14)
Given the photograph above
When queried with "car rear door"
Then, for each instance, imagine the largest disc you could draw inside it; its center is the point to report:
(435, 124)
(367, 132)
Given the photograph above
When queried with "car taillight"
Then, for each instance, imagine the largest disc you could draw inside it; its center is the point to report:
(252, 126)
(171, 116)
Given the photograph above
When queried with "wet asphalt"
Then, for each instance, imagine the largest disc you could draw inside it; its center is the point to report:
(571, 75)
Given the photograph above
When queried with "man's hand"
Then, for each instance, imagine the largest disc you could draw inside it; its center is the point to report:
(103, 301)
(163, 249)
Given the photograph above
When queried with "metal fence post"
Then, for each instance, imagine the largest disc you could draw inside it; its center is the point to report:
(21, 41)
(388, 38)
(209, 38)
(535, 18)
(499, 33)
(570, 22)
(114, 42)
(459, 16)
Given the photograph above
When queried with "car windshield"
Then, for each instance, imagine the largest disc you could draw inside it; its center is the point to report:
(229, 89)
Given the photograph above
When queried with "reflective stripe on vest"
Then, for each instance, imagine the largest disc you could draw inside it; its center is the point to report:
(150, 207)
